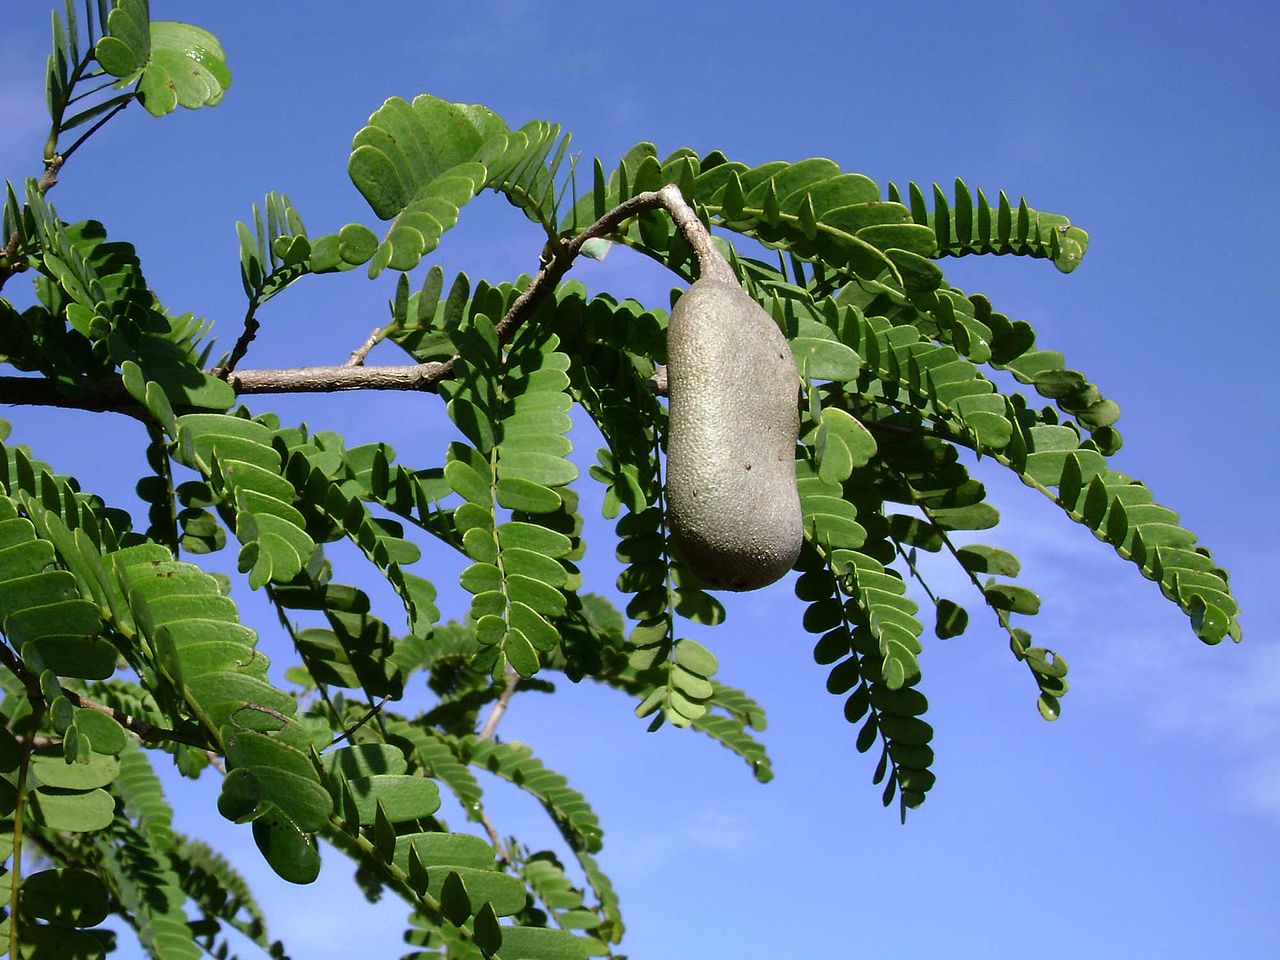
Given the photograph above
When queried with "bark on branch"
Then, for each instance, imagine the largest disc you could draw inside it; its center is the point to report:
(500, 707)
(143, 729)
(108, 393)
(48, 180)
(487, 732)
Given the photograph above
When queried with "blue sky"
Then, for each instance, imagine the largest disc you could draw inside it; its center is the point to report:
(1146, 821)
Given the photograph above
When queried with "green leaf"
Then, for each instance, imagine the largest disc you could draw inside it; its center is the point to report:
(66, 897)
(520, 653)
(835, 461)
(857, 438)
(488, 934)
(506, 893)
(290, 852)
(73, 812)
(157, 402)
(89, 658)
(452, 849)
(1048, 706)
(517, 493)
(1210, 623)
(1015, 599)
(57, 943)
(356, 243)
(952, 619)
(983, 559)
(403, 798)
(914, 238)
(134, 382)
(127, 45)
(528, 536)
(825, 359)
(695, 657)
(540, 943)
(285, 776)
(365, 760)
(176, 64)
(187, 68)
(978, 516)
(406, 146)
(546, 469)
(454, 902)
(55, 772)
(240, 796)
(11, 751)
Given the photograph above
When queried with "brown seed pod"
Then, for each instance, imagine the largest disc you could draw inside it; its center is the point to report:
(731, 484)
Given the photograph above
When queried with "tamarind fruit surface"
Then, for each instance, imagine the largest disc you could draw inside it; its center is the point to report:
(733, 423)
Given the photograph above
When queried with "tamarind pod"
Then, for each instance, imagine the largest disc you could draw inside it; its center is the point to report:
(731, 487)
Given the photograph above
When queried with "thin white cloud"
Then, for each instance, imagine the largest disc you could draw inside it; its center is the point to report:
(720, 830)
(1132, 653)
(1129, 648)
(1259, 784)
(639, 852)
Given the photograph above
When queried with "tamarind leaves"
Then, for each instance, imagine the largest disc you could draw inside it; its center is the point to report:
(906, 370)
(174, 64)
(819, 213)
(421, 162)
(567, 807)
(414, 161)
(221, 896)
(137, 860)
(515, 412)
(115, 638)
(453, 873)
(278, 250)
(406, 145)
(964, 226)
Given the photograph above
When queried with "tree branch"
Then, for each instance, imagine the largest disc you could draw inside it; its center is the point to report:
(486, 733)
(359, 353)
(108, 394)
(504, 699)
(48, 180)
(251, 326)
(494, 838)
(710, 263)
(420, 376)
(143, 729)
(20, 792)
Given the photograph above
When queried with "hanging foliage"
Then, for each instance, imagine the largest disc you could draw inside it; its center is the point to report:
(119, 648)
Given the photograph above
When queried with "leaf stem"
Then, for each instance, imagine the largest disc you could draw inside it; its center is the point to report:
(142, 729)
(500, 707)
(487, 732)
(88, 93)
(108, 393)
(915, 571)
(247, 335)
(359, 353)
(51, 145)
(19, 805)
(94, 129)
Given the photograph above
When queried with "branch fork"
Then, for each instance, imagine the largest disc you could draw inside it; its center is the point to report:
(108, 393)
